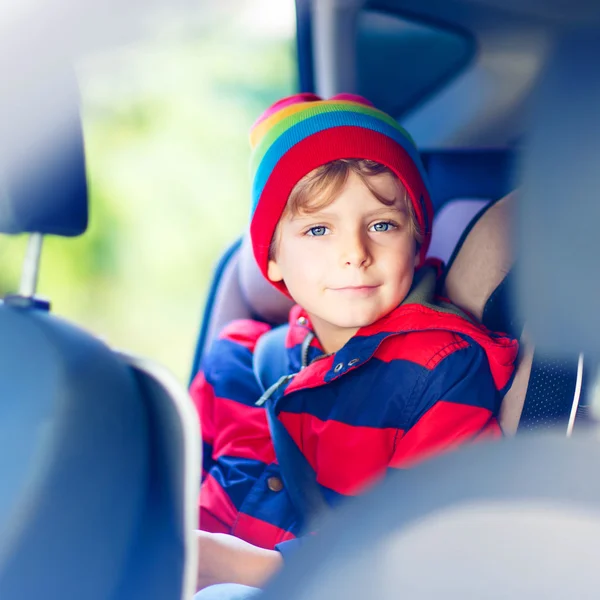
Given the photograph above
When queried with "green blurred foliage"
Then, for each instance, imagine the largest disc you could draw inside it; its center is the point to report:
(166, 133)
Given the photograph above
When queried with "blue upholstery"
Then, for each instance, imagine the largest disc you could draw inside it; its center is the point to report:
(158, 554)
(73, 463)
(42, 173)
(92, 469)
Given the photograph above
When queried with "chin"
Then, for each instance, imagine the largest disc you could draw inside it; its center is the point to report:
(355, 322)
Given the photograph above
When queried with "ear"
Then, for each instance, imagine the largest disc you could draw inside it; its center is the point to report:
(274, 272)
(417, 257)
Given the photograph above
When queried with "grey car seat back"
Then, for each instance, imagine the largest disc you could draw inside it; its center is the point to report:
(99, 457)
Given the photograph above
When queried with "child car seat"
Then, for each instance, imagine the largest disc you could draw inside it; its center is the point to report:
(546, 391)
(449, 224)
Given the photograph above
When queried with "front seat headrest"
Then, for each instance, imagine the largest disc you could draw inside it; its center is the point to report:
(43, 187)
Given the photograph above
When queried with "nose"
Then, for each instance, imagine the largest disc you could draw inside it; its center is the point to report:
(355, 250)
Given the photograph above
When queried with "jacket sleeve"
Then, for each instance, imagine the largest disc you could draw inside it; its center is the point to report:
(235, 434)
(454, 403)
(203, 397)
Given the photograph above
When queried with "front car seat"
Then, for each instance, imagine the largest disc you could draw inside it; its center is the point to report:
(99, 451)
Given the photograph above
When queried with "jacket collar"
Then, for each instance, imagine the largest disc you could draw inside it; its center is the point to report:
(421, 310)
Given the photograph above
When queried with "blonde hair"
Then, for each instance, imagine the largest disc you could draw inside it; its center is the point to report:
(320, 187)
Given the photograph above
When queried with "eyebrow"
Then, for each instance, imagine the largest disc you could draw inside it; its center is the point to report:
(324, 213)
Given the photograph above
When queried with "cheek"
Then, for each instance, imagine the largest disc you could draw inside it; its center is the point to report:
(306, 270)
(301, 261)
(305, 249)
(399, 254)
(307, 275)
(399, 265)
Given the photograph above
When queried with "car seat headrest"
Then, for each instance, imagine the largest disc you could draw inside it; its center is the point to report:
(449, 224)
(264, 300)
(43, 185)
(482, 259)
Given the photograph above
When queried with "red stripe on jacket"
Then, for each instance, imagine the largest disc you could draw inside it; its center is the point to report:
(501, 354)
(436, 346)
(244, 332)
(217, 511)
(365, 450)
(204, 401)
(242, 431)
(312, 377)
(259, 532)
(445, 426)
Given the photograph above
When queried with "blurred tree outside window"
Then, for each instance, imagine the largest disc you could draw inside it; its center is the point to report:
(166, 124)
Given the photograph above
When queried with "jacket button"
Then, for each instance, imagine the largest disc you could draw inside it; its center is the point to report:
(275, 484)
(338, 367)
(353, 362)
(302, 321)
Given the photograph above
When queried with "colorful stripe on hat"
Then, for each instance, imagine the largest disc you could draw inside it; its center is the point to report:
(288, 132)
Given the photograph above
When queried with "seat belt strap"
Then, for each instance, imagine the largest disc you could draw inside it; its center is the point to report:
(270, 366)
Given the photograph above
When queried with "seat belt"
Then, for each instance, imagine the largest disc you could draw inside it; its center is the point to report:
(270, 367)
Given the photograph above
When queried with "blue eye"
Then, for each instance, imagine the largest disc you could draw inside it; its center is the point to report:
(384, 226)
(318, 231)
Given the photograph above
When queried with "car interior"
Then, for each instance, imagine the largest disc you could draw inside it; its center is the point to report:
(100, 461)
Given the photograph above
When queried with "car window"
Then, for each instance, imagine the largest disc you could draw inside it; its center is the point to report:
(401, 61)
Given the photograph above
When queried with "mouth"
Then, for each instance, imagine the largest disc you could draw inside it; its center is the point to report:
(356, 290)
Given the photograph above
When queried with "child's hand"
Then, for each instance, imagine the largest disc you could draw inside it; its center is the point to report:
(226, 559)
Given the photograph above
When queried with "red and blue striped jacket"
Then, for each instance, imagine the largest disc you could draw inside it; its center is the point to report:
(419, 381)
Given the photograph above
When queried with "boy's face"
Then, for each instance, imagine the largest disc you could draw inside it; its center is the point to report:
(350, 263)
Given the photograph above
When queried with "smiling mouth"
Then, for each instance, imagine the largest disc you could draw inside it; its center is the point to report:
(357, 290)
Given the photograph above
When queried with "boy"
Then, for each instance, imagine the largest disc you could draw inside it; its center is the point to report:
(390, 375)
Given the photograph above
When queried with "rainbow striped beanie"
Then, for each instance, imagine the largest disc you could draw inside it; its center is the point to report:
(302, 132)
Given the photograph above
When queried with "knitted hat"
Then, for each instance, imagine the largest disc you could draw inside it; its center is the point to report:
(300, 133)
